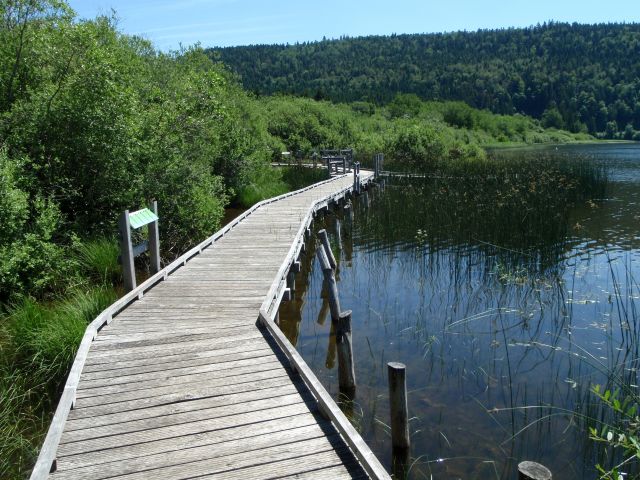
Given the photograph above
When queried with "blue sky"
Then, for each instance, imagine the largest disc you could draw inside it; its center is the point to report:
(240, 22)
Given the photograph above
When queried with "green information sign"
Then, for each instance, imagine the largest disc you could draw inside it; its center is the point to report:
(141, 218)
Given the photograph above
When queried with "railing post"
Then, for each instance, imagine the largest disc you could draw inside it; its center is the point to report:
(126, 252)
(154, 240)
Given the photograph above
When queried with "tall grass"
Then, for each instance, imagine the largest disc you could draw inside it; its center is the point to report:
(38, 342)
(98, 260)
(20, 417)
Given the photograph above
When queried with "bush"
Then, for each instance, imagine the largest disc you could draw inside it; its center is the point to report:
(31, 261)
(417, 147)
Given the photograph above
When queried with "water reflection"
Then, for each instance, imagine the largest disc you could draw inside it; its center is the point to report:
(505, 307)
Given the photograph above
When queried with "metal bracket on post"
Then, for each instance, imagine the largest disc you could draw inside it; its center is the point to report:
(128, 251)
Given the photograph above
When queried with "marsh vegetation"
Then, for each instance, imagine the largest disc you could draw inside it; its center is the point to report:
(508, 298)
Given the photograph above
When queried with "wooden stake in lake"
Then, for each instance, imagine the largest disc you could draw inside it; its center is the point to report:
(341, 321)
(398, 406)
(324, 238)
(533, 471)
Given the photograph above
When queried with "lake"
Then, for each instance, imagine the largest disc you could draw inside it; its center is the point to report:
(507, 299)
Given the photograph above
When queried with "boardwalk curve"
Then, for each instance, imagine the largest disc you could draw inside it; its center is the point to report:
(188, 376)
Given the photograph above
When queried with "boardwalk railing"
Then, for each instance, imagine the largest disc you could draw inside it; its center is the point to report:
(327, 405)
(46, 462)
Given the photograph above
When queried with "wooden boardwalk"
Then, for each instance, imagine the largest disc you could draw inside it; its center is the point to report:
(182, 380)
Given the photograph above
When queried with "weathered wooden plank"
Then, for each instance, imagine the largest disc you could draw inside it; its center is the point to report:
(90, 380)
(277, 462)
(169, 446)
(207, 425)
(337, 472)
(166, 361)
(132, 342)
(179, 378)
(253, 466)
(125, 373)
(174, 419)
(161, 330)
(249, 446)
(189, 383)
(173, 349)
(199, 391)
(170, 409)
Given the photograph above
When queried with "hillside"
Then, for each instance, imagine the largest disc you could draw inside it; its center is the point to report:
(578, 77)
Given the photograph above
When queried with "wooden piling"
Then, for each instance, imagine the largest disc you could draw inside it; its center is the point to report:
(533, 471)
(330, 280)
(339, 234)
(346, 370)
(348, 212)
(398, 406)
(154, 240)
(331, 348)
(126, 252)
(324, 239)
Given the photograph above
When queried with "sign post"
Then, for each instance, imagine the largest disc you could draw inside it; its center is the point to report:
(128, 251)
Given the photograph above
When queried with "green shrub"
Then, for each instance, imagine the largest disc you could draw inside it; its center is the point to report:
(264, 183)
(31, 261)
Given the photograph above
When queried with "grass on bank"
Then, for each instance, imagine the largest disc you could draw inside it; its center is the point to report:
(38, 342)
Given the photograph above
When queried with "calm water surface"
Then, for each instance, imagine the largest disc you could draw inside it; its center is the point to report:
(504, 325)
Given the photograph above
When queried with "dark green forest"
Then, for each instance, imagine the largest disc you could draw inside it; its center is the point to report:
(583, 78)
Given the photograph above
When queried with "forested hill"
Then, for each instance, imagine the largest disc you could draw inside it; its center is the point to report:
(579, 77)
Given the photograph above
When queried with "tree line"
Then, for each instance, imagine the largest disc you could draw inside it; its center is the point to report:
(583, 78)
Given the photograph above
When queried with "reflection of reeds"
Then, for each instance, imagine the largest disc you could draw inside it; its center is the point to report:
(485, 311)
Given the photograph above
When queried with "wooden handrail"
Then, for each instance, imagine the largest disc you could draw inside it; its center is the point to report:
(328, 406)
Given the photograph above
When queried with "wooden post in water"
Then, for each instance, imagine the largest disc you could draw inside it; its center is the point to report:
(330, 280)
(154, 240)
(339, 233)
(398, 406)
(126, 252)
(341, 323)
(346, 370)
(533, 471)
(324, 238)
